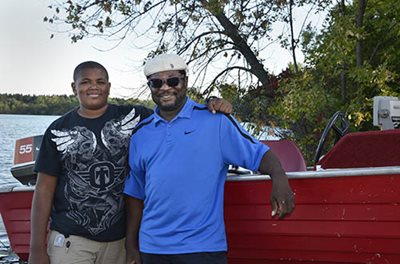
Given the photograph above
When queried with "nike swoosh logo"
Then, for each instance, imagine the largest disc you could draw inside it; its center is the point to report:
(188, 132)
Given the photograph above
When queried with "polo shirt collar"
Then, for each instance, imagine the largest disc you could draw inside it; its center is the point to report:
(186, 112)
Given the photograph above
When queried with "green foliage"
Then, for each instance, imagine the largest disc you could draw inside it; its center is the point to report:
(332, 81)
(304, 109)
(131, 101)
(196, 95)
(36, 105)
(50, 104)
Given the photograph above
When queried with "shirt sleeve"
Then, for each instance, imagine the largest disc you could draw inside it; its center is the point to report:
(135, 182)
(238, 146)
(48, 160)
(143, 111)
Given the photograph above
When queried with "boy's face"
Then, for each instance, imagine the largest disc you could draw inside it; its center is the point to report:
(92, 88)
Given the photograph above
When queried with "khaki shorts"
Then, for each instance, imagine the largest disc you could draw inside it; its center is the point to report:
(80, 250)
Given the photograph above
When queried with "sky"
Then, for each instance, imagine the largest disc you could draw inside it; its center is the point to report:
(32, 63)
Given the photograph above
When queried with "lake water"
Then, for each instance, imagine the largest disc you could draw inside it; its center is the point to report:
(13, 127)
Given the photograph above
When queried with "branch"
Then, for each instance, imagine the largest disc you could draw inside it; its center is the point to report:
(225, 71)
(231, 31)
(198, 37)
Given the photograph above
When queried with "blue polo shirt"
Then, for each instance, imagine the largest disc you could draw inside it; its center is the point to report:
(179, 168)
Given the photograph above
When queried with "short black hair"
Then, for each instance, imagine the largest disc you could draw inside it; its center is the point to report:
(88, 65)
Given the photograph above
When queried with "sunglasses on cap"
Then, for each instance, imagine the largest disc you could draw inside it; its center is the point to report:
(158, 83)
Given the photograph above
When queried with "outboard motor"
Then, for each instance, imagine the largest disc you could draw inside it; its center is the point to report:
(386, 112)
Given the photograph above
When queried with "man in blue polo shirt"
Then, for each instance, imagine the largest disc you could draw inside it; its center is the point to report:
(179, 159)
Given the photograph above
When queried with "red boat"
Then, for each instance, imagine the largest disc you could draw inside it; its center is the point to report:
(347, 209)
(346, 215)
(15, 209)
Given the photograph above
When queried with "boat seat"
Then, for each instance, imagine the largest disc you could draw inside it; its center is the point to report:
(288, 153)
(364, 149)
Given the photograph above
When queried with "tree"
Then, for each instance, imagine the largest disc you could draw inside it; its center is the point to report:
(221, 37)
(50, 104)
(370, 69)
(354, 58)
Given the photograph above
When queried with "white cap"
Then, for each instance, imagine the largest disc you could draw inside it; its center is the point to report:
(165, 62)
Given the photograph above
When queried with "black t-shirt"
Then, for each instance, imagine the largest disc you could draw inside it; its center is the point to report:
(89, 159)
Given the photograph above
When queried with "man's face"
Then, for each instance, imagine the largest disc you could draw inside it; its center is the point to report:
(92, 88)
(168, 90)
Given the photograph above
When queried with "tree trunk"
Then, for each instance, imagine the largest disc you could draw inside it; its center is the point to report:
(343, 79)
(359, 24)
(343, 82)
(293, 41)
(256, 67)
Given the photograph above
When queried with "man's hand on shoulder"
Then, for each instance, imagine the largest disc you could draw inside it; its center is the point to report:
(221, 105)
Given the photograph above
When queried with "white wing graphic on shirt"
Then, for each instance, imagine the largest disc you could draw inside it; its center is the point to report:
(70, 140)
(115, 133)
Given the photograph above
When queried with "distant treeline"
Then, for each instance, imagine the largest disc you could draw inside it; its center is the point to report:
(50, 104)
